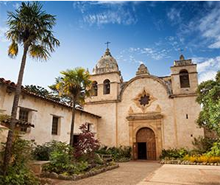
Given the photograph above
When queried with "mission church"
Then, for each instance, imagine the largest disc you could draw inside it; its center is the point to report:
(148, 113)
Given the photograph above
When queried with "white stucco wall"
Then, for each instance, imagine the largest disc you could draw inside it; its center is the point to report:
(41, 114)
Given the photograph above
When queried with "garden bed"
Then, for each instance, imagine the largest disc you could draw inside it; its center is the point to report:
(181, 162)
(75, 177)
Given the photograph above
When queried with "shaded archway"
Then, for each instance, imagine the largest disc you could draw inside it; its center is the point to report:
(146, 144)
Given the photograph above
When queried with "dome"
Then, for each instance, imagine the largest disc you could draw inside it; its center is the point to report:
(106, 64)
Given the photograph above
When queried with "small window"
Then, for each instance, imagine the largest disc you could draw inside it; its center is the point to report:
(184, 79)
(89, 127)
(187, 116)
(23, 116)
(55, 125)
(76, 139)
(106, 85)
(94, 88)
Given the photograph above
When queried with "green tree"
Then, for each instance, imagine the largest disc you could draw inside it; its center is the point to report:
(75, 85)
(41, 91)
(209, 97)
(30, 27)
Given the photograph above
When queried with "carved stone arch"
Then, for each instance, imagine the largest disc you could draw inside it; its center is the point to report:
(146, 143)
(141, 77)
(140, 127)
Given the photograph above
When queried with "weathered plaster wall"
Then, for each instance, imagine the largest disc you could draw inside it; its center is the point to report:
(107, 124)
(41, 114)
(186, 112)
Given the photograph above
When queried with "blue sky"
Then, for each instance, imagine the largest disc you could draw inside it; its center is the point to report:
(140, 32)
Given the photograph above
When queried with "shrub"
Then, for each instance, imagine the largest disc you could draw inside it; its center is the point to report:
(98, 159)
(215, 150)
(202, 145)
(86, 145)
(202, 159)
(123, 153)
(173, 153)
(42, 152)
(18, 170)
(60, 157)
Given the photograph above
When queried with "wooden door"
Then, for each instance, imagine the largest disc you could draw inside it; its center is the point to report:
(146, 135)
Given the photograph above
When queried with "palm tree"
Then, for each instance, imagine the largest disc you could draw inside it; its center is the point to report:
(74, 84)
(30, 27)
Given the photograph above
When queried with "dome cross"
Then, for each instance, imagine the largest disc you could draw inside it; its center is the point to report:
(107, 43)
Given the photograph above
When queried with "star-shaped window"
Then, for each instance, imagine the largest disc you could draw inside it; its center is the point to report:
(144, 100)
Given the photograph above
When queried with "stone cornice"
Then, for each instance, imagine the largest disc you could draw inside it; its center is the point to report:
(117, 72)
(101, 102)
(183, 95)
(188, 73)
(183, 65)
(145, 116)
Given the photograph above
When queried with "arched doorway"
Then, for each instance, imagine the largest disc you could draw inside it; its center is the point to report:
(146, 144)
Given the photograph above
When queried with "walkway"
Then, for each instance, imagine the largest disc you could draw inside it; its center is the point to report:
(129, 173)
(184, 175)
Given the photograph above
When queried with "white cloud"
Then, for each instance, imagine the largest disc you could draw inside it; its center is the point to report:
(16, 5)
(209, 27)
(174, 15)
(110, 12)
(110, 17)
(207, 68)
(4, 3)
(209, 75)
(215, 45)
(3, 30)
(156, 54)
(108, 2)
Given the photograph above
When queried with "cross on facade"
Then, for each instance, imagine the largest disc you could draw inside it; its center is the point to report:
(107, 43)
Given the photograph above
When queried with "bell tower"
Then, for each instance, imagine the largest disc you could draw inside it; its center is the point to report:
(184, 76)
(106, 79)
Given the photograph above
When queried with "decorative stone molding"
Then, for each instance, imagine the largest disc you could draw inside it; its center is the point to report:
(144, 100)
(142, 70)
(158, 109)
(162, 82)
(130, 111)
(182, 61)
(146, 116)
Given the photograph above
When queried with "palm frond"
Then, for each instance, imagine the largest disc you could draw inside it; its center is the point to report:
(74, 83)
(13, 49)
(30, 25)
(39, 52)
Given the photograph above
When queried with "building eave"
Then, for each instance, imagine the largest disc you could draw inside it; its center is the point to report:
(12, 85)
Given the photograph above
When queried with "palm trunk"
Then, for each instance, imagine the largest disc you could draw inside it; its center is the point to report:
(72, 124)
(7, 154)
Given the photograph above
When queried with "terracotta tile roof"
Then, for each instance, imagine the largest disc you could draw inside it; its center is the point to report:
(18, 122)
(13, 85)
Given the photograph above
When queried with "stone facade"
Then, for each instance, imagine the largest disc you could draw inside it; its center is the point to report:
(166, 105)
(148, 113)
